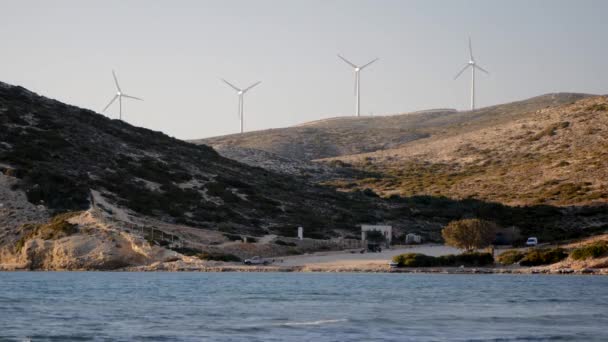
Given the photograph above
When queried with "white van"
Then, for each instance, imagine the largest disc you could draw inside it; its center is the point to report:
(532, 241)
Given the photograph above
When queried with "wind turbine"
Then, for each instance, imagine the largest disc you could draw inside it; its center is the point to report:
(241, 93)
(473, 65)
(357, 82)
(119, 95)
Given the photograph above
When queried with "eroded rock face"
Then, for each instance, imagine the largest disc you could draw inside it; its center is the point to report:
(92, 245)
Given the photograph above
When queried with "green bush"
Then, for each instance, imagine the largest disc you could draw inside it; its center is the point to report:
(415, 260)
(594, 250)
(466, 259)
(218, 257)
(538, 257)
(510, 257)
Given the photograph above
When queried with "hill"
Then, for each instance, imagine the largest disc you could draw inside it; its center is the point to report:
(556, 155)
(354, 135)
(61, 153)
(81, 191)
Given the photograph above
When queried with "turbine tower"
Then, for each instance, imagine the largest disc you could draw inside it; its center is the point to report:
(241, 93)
(357, 82)
(119, 95)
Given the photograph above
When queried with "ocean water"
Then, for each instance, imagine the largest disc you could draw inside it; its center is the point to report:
(100, 306)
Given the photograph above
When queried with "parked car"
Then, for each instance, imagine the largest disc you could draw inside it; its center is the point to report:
(393, 264)
(532, 241)
(256, 260)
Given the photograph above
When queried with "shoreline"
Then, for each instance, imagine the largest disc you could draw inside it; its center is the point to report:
(228, 268)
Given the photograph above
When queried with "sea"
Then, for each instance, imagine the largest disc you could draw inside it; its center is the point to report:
(118, 306)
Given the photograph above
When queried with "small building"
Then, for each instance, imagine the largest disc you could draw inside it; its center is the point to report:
(387, 232)
(412, 238)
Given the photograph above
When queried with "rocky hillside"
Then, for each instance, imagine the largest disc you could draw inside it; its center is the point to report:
(556, 155)
(61, 155)
(355, 135)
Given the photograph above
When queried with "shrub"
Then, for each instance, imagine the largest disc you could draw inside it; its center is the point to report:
(469, 234)
(466, 259)
(233, 237)
(594, 250)
(598, 107)
(218, 257)
(415, 260)
(538, 257)
(283, 243)
(375, 236)
(187, 251)
(510, 257)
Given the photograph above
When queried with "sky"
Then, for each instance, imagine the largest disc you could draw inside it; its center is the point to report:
(174, 53)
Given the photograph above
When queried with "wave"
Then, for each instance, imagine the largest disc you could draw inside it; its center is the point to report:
(319, 322)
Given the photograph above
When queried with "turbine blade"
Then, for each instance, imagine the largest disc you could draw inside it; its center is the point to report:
(116, 81)
(461, 71)
(470, 48)
(132, 97)
(231, 85)
(369, 63)
(356, 81)
(251, 86)
(109, 104)
(482, 69)
(347, 61)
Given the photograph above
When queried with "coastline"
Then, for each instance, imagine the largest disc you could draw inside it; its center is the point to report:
(346, 261)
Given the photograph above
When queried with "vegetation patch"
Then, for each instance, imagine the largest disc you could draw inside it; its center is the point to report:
(218, 257)
(539, 257)
(465, 259)
(58, 227)
(187, 251)
(550, 130)
(591, 251)
(284, 243)
(510, 257)
(598, 107)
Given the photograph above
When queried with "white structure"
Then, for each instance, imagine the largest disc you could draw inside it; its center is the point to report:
(413, 238)
(357, 82)
(473, 65)
(387, 231)
(241, 93)
(119, 95)
(300, 233)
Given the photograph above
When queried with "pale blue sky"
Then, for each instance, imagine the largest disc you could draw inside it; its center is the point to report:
(172, 53)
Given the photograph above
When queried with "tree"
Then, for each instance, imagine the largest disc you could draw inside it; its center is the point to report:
(375, 236)
(469, 234)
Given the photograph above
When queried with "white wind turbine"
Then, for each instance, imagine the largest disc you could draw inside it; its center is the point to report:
(119, 95)
(473, 65)
(357, 82)
(241, 93)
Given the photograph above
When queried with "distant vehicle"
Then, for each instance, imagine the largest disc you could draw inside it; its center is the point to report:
(256, 260)
(393, 264)
(532, 241)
